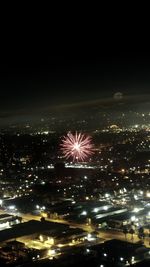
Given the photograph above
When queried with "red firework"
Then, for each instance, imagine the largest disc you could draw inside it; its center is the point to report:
(78, 146)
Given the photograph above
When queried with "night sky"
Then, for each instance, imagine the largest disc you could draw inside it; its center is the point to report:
(32, 82)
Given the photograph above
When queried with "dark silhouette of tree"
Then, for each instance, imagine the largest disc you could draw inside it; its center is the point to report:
(42, 219)
(132, 232)
(141, 233)
(149, 233)
(125, 231)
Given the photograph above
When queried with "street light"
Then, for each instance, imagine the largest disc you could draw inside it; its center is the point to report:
(84, 212)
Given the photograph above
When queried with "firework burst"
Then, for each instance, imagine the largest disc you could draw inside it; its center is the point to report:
(77, 146)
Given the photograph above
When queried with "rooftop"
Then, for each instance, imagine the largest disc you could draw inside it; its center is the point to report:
(29, 228)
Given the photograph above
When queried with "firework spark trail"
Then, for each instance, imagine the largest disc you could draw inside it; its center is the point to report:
(77, 146)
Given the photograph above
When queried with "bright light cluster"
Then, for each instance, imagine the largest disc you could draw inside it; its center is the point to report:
(77, 147)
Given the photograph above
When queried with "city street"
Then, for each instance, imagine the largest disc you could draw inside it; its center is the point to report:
(103, 234)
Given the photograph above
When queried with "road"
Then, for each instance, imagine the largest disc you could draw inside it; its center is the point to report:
(104, 234)
(111, 234)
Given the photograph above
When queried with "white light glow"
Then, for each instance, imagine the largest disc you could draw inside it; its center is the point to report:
(84, 212)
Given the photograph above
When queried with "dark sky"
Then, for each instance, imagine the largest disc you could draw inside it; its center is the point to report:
(63, 79)
(44, 64)
(36, 79)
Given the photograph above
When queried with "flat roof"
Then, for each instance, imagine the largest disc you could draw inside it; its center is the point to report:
(120, 248)
(66, 233)
(5, 215)
(29, 228)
